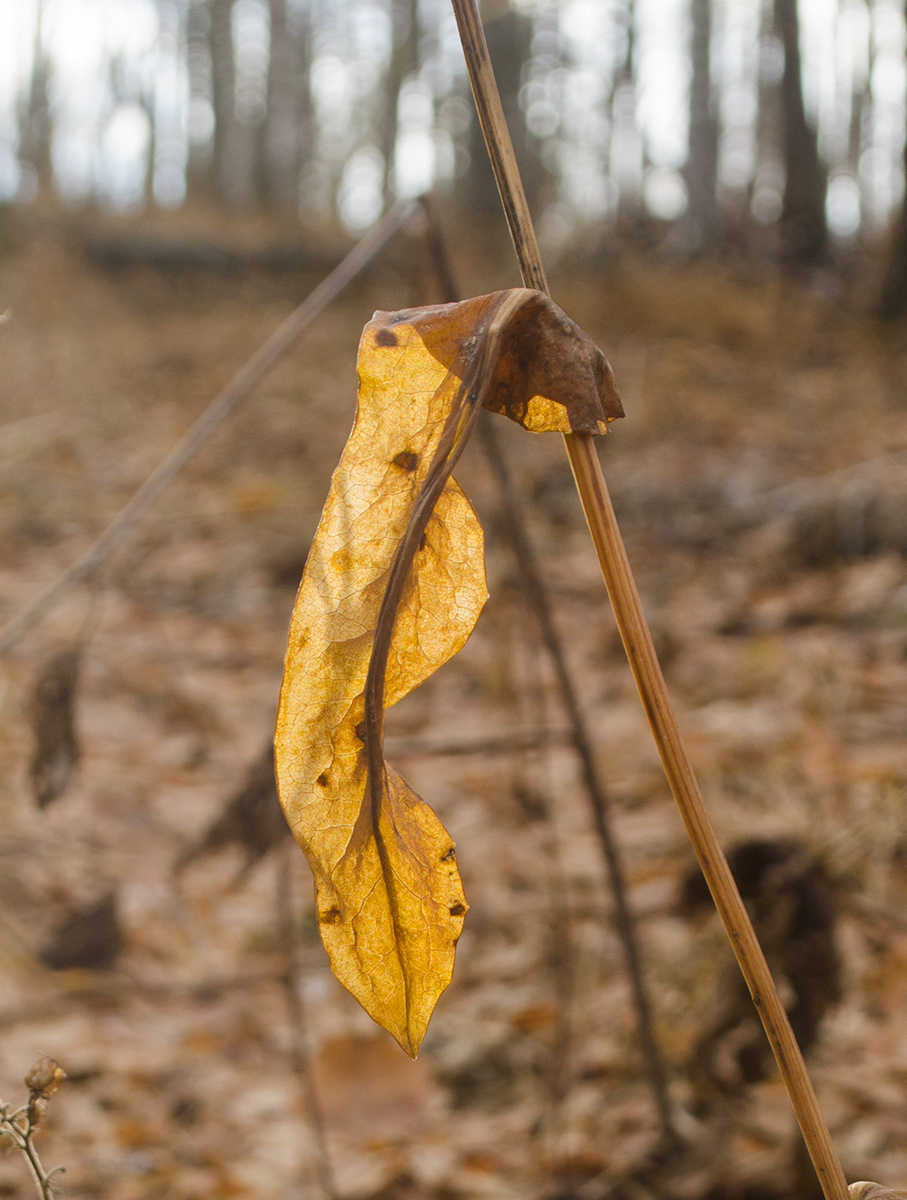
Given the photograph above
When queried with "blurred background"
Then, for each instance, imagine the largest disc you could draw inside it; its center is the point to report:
(719, 189)
(723, 121)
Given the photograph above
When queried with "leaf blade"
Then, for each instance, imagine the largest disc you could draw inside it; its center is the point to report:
(393, 954)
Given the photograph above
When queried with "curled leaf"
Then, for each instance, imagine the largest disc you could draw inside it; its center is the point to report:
(393, 587)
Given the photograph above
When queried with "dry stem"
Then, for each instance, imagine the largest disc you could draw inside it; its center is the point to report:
(537, 595)
(640, 651)
(280, 341)
(21, 1124)
(292, 988)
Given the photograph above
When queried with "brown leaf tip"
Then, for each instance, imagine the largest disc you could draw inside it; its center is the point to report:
(550, 376)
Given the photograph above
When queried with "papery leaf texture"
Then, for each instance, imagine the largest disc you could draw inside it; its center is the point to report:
(393, 586)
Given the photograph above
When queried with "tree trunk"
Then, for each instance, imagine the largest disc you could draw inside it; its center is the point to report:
(702, 222)
(893, 300)
(35, 125)
(237, 144)
(200, 182)
(286, 78)
(627, 152)
(404, 61)
(509, 38)
(223, 92)
(804, 236)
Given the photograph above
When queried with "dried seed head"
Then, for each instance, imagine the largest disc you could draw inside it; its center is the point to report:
(45, 1077)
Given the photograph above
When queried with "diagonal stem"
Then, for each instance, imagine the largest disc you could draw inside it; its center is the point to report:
(637, 640)
(537, 594)
(277, 345)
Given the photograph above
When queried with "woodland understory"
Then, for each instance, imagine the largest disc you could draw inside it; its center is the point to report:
(760, 482)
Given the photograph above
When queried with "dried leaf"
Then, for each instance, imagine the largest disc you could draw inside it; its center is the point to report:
(393, 587)
(87, 938)
(53, 723)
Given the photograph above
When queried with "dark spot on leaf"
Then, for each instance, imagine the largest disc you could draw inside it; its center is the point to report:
(407, 459)
(448, 855)
(385, 337)
(360, 732)
(322, 779)
(331, 917)
(457, 910)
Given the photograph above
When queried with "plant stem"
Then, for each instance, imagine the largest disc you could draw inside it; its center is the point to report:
(537, 594)
(22, 1136)
(291, 982)
(637, 640)
(267, 355)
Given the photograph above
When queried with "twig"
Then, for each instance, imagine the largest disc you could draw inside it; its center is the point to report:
(21, 1124)
(280, 341)
(537, 595)
(640, 650)
(291, 982)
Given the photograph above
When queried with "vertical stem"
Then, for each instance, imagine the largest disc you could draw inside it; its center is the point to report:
(537, 595)
(598, 798)
(637, 640)
(291, 981)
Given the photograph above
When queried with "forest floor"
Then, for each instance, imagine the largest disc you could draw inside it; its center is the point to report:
(760, 481)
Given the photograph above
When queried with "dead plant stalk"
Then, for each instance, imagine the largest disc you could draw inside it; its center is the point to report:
(637, 640)
(248, 377)
(537, 595)
(21, 1124)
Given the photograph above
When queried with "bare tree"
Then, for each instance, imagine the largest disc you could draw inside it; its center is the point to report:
(702, 222)
(223, 94)
(893, 300)
(238, 117)
(804, 234)
(509, 37)
(627, 151)
(287, 84)
(403, 62)
(200, 182)
(35, 124)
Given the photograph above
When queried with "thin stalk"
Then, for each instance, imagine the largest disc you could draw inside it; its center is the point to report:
(280, 341)
(21, 1129)
(537, 594)
(637, 640)
(291, 981)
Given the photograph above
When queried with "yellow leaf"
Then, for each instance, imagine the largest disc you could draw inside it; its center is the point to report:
(393, 587)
